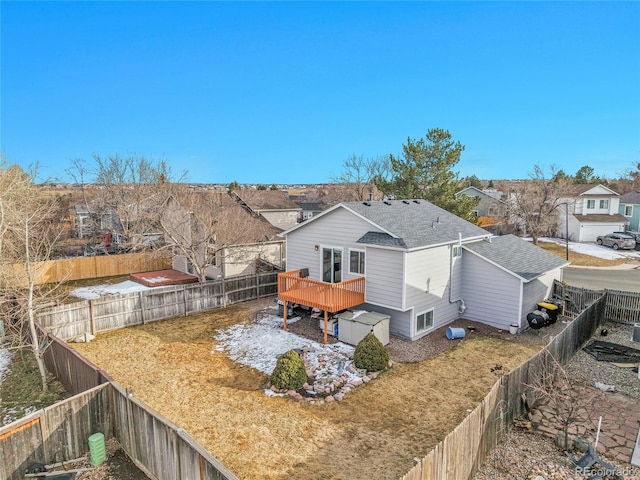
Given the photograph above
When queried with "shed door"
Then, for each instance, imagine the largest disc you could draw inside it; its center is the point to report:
(331, 265)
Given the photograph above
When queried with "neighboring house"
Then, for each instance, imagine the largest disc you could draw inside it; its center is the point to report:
(422, 265)
(630, 209)
(492, 211)
(273, 205)
(89, 222)
(592, 211)
(252, 243)
(309, 209)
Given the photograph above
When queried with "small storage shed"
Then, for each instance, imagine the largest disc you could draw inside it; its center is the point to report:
(353, 326)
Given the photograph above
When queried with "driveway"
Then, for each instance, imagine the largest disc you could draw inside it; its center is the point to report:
(625, 278)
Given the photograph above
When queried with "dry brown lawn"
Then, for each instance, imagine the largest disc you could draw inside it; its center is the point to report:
(374, 433)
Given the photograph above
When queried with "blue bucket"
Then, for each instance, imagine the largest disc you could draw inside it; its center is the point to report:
(453, 333)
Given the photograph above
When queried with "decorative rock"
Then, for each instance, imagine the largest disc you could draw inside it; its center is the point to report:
(366, 379)
(564, 442)
(338, 397)
(581, 444)
(329, 399)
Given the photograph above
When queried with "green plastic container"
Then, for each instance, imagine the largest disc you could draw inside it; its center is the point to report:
(97, 449)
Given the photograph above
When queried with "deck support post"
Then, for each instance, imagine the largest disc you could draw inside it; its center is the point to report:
(284, 316)
(326, 326)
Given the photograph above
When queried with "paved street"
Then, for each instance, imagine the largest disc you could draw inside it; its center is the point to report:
(626, 279)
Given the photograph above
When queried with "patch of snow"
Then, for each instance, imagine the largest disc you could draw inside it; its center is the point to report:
(594, 250)
(270, 393)
(155, 279)
(5, 361)
(97, 291)
(259, 344)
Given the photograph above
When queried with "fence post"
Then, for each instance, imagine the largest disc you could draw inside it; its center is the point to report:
(141, 296)
(92, 317)
(184, 299)
(223, 282)
(257, 285)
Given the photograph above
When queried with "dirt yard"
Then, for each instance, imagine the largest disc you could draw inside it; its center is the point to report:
(374, 433)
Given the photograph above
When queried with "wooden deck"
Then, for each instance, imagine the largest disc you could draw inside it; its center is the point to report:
(330, 297)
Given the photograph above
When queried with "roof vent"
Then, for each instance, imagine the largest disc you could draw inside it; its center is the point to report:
(438, 219)
(406, 202)
(416, 201)
(366, 203)
(387, 202)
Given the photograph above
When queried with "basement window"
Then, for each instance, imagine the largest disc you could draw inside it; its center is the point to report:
(424, 321)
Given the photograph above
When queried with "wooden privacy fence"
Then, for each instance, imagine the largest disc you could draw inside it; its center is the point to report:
(75, 373)
(622, 307)
(108, 313)
(466, 448)
(56, 433)
(60, 432)
(80, 268)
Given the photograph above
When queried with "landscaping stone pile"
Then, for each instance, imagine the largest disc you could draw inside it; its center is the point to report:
(333, 372)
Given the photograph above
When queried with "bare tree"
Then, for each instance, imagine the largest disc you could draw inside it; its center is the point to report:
(533, 203)
(359, 174)
(202, 227)
(132, 190)
(29, 231)
(553, 387)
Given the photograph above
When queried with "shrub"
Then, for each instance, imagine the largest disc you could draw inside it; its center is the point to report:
(370, 354)
(289, 373)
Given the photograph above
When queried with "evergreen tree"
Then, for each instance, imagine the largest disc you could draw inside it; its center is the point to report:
(425, 171)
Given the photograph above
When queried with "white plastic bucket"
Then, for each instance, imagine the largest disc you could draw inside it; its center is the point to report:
(453, 333)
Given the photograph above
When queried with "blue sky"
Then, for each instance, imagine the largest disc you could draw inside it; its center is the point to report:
(284, 92)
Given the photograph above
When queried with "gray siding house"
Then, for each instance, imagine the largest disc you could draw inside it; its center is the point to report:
(422, 265)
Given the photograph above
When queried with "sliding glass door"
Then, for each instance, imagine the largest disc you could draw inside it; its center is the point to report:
(331, 265)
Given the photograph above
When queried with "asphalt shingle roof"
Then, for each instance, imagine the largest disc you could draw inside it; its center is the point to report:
(524, 259)
(412, 223)
(633, 197)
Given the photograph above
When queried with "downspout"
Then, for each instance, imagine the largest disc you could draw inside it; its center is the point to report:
(461, 306)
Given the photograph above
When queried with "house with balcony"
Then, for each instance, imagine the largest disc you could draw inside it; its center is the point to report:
(588, 211)
(415, 262)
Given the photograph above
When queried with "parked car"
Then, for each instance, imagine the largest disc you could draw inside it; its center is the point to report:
(617, 241)
(636, 236)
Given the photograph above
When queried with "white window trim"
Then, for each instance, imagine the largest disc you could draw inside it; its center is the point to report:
(630, 214)
(433, 321)
(456, 251)
(359, 250)
(604, 204)
(592, 207)
(321, 248)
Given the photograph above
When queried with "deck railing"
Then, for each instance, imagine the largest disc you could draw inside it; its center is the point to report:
(332, 297)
